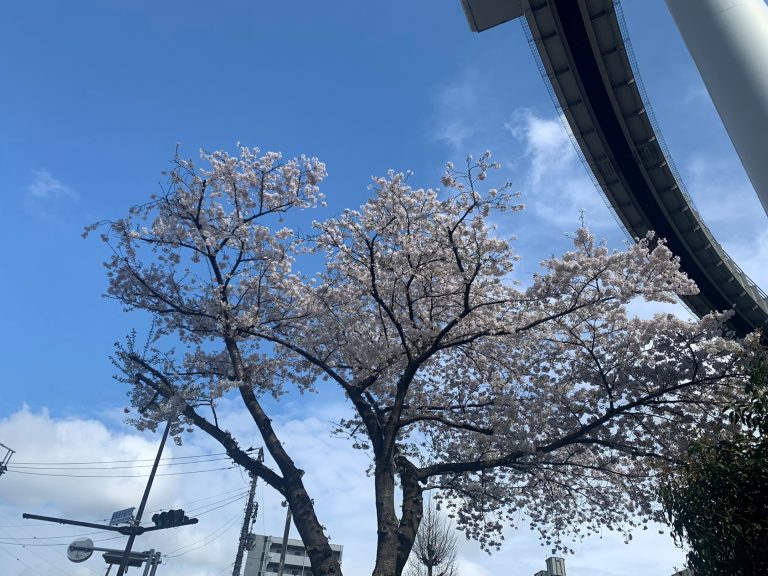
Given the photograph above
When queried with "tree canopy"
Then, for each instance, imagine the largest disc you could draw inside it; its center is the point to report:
(548, 398)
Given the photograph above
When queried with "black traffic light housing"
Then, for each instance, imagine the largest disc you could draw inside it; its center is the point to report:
(171, 519)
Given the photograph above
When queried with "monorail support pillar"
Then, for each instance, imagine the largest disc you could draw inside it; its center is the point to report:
(728, 40)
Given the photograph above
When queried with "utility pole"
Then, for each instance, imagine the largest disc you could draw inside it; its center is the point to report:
(250, 510)
(137, 519)
(6, 458)
(286, 530)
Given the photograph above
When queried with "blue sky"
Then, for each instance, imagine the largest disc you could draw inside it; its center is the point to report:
(97, 94)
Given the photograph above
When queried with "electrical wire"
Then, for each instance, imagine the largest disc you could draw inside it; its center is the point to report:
(212, 496)
(51, 537)
(120, 461)
(223, 529)
(38, 468)
(46, 560)
(211, 507)
(9, 471)
(119, 467)
(228, 494)
(53, 544)
(23, 530)
(20, 561)
(227, 569)
(221, 504)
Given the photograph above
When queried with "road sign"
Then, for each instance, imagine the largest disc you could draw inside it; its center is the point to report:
(80, 550)
(134, 558)
(122, 517)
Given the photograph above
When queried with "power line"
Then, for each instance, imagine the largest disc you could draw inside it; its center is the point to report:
(42, 558)
(231, 500)
(123, 461)
(73, 466)
(13, 540)
(52, 537)
(239, 490)
(240, 494)
(23, 530)
(118, 475)
(54, 545)
(228, 494)
(207, 539)
(227, 569)
(20, 561)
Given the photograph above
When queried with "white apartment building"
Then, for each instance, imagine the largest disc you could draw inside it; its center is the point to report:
(264, 556)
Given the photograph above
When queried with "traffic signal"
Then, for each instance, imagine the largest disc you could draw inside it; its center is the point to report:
(160, 519)
(172, 518)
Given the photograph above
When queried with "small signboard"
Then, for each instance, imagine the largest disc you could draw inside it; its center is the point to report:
(122, 517)
(134, 558)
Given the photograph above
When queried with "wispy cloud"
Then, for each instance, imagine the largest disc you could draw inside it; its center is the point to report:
(722, 193)
(751, 256)
(729, 206)
(47, 187)
(696, 92)
(556, 185)
(48, 197)
(93, 492)
(335, 477)
(469, 117)
(456, 108)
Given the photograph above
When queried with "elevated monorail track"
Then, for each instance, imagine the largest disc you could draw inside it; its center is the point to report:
(583, 51)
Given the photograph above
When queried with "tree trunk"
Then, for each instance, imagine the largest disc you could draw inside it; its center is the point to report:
(315, 541)
(318, 547)
(413, 509)
(388, 525)
(396, 537)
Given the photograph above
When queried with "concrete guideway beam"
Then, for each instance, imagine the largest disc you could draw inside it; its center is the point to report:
(581, 51)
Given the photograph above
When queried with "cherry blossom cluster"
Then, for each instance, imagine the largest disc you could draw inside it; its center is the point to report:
(549, 402)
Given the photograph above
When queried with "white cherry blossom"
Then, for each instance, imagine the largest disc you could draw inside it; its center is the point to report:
(549, 401)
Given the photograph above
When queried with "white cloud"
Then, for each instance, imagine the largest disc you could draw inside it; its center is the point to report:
(555, 184)
(456, 119)
(722, 193)
(751, 255)
(37, 438)
(48, 197)
(469, 117)
(46, 186)
(697, 92)
(56, 491)
(729, 206)
(335, 478)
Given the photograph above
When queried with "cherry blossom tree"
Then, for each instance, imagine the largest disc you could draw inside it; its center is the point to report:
(549, 402)
(213, 261)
